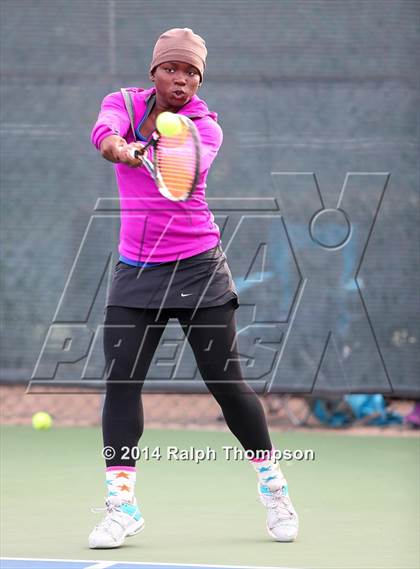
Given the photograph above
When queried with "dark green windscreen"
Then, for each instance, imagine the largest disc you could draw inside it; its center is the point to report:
(315, 188)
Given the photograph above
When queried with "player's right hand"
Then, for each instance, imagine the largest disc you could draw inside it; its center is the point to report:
(127, 155)
(115, 149)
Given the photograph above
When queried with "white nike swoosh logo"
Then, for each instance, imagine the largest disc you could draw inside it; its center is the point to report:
(188, 294)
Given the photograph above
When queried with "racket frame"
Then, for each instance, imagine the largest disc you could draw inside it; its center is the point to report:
(153, 166)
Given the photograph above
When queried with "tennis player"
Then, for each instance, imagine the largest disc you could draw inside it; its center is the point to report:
(171, 265)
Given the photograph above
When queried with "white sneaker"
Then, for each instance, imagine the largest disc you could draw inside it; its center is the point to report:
(122, 520)
(282, 519)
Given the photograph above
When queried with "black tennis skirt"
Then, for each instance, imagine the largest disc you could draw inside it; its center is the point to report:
(201, 281)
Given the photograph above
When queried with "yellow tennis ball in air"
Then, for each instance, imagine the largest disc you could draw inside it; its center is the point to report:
(168, 124)
(41, 421)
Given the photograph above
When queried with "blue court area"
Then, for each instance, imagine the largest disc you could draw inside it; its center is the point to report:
(14, 563)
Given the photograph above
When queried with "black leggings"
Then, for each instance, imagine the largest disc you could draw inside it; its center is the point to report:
(129, 350)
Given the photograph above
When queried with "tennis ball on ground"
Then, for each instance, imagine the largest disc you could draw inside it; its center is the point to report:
(168, 124)
(41, 421)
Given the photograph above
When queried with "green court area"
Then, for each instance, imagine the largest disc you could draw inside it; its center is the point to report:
(358, 501)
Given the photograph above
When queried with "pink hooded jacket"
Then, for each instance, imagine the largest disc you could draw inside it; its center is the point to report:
(153, 228)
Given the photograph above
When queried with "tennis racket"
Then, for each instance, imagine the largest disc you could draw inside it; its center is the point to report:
(175, 166)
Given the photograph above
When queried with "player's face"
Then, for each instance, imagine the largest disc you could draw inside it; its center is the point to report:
(176, 83)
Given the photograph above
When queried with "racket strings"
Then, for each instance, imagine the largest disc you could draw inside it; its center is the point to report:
(177, 162)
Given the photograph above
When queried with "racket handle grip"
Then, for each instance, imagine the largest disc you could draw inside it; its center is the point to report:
(134, 153)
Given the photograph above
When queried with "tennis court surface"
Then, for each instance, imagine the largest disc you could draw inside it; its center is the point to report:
(358, 503)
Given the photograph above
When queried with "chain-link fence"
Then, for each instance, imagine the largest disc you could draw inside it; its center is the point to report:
(315, 189)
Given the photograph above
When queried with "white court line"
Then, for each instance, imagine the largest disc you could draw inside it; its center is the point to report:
(102, 565)
(96, 564)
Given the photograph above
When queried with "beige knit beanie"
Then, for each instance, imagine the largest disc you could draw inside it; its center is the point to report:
(180, 44)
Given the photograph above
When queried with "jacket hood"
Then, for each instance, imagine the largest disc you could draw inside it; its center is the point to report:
(196, 107)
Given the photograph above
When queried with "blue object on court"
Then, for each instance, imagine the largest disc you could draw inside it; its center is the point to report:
(357, 407)
(364, 406)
